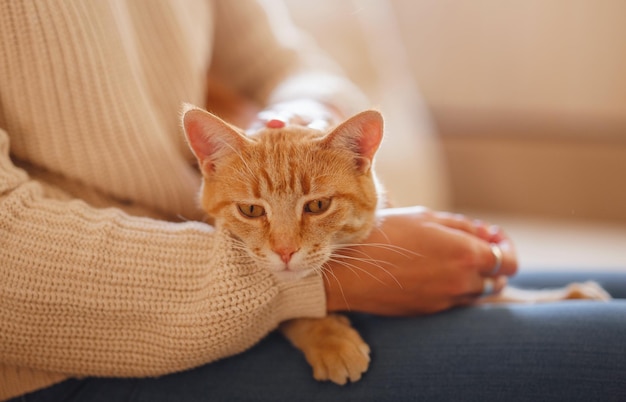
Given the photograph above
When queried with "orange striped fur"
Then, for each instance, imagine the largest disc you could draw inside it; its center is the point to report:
(281, 170)
(292, 196)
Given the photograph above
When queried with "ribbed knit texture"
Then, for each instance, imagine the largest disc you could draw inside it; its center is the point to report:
(90, 93)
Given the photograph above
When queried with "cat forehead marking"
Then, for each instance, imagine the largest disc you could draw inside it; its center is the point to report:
(284, 160)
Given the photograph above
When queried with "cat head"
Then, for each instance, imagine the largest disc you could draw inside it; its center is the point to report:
(291, 195)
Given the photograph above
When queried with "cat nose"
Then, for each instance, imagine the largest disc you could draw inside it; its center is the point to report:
(285, 253)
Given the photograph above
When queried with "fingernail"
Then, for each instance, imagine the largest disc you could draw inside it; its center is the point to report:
(275, 123)
(494, 230)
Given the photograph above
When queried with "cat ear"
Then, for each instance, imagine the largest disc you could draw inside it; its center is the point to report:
(361, 134)
(209, 137)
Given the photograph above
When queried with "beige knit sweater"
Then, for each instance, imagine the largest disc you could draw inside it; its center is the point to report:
(103, 270)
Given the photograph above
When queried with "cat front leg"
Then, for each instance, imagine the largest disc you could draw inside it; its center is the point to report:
(334, 349)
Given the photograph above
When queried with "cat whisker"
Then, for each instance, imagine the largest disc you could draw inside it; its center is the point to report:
(390, 247)
(330, 271)
(183, 218)
(352, 267)
(367, 259)
(379, 230)
(395, 248)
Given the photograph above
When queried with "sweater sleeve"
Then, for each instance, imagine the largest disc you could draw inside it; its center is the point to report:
(261, 54)
(88, 291)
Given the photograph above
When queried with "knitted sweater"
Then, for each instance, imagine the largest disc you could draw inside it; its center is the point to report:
(105, 267)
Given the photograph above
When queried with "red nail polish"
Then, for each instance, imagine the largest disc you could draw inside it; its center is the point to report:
(274, 123)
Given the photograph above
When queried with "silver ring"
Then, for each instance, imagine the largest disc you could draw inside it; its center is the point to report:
(488, 287)
(497, 253)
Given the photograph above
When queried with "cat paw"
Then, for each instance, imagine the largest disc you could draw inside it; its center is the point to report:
(340, 354)
(586, 290)
(335, 351)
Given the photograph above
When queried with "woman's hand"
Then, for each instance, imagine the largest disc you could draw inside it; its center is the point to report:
(417, 261)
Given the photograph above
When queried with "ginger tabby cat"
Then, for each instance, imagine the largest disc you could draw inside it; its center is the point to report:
(293, 196)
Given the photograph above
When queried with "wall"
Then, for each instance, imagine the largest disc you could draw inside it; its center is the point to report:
(527, 97)
(532, 56)
(529, 100)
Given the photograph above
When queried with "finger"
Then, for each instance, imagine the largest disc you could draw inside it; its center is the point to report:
(498, 283)
(496, 234)
(489, 259)
(480, 286)
(509, 258)
(483, 230)
(486, 287)
(472, 290)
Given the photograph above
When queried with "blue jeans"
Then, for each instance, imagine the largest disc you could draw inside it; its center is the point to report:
(574, 351)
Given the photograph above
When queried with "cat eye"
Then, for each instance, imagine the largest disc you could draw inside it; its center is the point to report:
(251, 210)
(317, 206)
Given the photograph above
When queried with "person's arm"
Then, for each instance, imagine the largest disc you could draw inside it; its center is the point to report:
(274, 67)
(88, 291)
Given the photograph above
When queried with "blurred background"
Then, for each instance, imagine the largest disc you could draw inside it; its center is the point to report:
(512, 111)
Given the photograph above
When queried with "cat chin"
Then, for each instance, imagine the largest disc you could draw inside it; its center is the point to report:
(290, 276)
